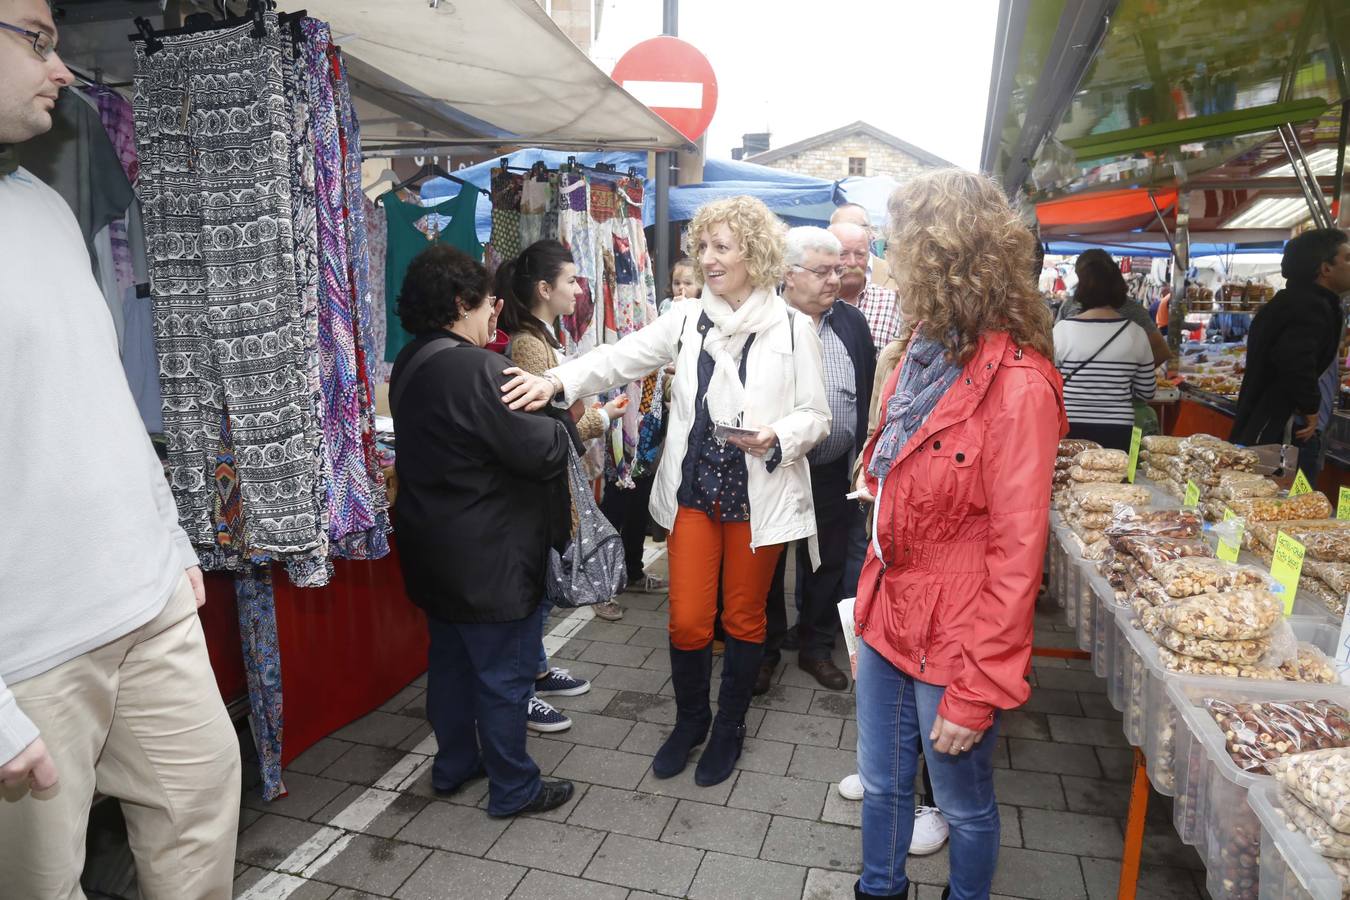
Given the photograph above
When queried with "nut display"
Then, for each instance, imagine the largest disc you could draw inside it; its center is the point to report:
(1260, 732)
(1189, 665)
(1155, 474)
(1082, 475)
(1245, 652)
(1322, 781)
(1239, 615)
(1073, 447)
(1169, 523)
(1104, 497)
(1280, 509)
(1152, 552)
(1162, 444)
(1106, 460)
(1197, 575)
(1324, 839)
(1310, 667)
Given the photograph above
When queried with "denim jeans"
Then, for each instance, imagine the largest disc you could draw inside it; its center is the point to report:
(895, 713)
(857, 549)
(479, 680)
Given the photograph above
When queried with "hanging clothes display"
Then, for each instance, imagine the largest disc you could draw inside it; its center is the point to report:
(377, 240)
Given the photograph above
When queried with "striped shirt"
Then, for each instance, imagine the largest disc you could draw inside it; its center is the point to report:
(841, 391)
(1102, 391)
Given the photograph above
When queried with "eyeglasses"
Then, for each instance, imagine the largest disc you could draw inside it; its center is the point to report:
(823, 271)
(44, 45)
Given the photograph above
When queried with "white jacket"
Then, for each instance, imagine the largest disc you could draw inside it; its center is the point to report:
(785, 390)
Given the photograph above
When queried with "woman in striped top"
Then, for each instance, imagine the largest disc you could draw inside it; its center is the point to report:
(1105, 359)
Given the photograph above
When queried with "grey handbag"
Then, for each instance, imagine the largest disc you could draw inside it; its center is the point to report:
(591, 569)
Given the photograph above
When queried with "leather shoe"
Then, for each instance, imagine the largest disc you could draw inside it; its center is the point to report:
(790, 639)
(763, 679)
(825, 672)
(552, 794)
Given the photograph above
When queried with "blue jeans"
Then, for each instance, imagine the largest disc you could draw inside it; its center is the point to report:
(480, 678)
(857, 549)
(895, 712)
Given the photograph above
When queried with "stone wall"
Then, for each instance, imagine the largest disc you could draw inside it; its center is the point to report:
(574, 18)
(831, 160)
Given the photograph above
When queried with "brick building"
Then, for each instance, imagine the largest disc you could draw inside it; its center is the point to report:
(856, 149)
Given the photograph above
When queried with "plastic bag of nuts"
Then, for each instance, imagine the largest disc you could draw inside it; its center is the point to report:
(1260, 732)
(1163, 445)
(1170, 523)
(1105, 476)
(1247, 652)
(1197, 575)
(1325, 840)
(1152, 552)
(1280, 509)
(1189, 665)
(1310, 666)
(1104, 497)
(1240, 615)
(1073, 447)
(1320, 779)
(1104, 460)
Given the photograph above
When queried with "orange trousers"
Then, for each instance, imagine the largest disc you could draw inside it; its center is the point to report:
(699, 548)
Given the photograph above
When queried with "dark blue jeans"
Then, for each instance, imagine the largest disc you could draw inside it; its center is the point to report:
(895, 713)
(480, 678)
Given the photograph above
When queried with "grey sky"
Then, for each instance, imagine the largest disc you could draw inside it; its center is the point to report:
(800, 67)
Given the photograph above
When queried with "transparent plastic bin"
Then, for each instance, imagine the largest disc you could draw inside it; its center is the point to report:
(1290, 868)
(1103, 623)
(1117, 685)
(1087, 603)
(1073, 579)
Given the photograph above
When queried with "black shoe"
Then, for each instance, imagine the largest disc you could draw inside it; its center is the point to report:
(690, 673)
(825, 672)
(478, 773)
(764, 680)
(859, 895)
(552, 794)
(740, 667)
(790, 639)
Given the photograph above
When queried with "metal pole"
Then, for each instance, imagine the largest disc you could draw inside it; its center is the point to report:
(670, 18)
(1338, 193)
(1181, 261)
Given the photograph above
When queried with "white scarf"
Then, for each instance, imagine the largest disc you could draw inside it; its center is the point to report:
(726, 341)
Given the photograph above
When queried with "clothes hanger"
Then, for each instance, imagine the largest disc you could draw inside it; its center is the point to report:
(431, 170)
(387, 175)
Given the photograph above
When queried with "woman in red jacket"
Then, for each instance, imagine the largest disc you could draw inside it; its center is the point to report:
(961, 467)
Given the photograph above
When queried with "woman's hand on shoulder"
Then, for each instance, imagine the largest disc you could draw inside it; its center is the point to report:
(527, 392)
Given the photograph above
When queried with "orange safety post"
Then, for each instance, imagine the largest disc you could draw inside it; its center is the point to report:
(1134, 830)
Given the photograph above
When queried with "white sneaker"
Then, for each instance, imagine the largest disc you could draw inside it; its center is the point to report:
(851, 787)
(930, 831)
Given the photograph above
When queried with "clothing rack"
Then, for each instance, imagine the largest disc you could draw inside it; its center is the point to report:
(199, 22)
(432, 170)
(542, 168)
(96, 80)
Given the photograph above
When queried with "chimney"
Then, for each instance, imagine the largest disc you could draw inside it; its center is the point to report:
(738, 153)
(756, 142)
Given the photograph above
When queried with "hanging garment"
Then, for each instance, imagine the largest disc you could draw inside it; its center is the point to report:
(139, 360)
(257, 607)
(507, 190)
(377, 240)
(535, 197)
(574, 231)
(405, 242)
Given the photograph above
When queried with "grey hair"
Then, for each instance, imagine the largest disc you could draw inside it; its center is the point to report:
(805, 238)
(867, 217)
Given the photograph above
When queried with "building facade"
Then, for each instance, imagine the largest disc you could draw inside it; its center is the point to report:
(856, 149)
(578, 19)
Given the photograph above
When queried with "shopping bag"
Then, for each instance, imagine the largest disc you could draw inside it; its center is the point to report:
(591, 568)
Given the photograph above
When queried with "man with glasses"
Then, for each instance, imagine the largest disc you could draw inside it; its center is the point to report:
(104, 677)
(811, 287)
(877, 304)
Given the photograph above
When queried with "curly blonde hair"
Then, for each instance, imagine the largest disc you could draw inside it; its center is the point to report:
(761, 234)
(963, 260)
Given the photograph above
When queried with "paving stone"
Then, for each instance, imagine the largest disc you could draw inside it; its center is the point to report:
(655, 638)
(819, 844)
(318, 757)
(410, 694)
(579, 668)
(1022, 788)
(599, 765)
(623, 678)
(547, 753)
(388, 823)
(1097, 795)
(1117, 764)
(645, 865)
(1018, 723)
(1061, 759)
(646, 738)
(593, 701)
(827, 884)
(420, 680)
(247, 817)
(841, 811)
(1002, 755)
(834, 703)
(1078, 833)
(450, 826)
(547, 845)
(848, 738)
(1038, 875)
(549, 886)
(624, 812)
(1155, 882)
(470, 794)
(570, 650)
(646, 618)
(1010, 823)
(1162, 847)
(1070, 680)
(642, 707)
(1078, 730)
(633, 600)
(709, 827)
(1098, 706)
(381, 729)
(418, 740)
(377, 865)
(306, 795)
(594, 730)
(1045, 700)
(607, 632)
(612, 654)
(726, 877)
(822, 763)
(349, 894)
(823, 731)
(364, 764)
(658, 662)
(682, 786)
(443, 872)
(784, 697)
(769, 757)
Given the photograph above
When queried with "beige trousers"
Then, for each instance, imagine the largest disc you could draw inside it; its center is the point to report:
(139, 719)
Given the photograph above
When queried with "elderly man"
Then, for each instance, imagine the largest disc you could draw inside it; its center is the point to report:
(878, 270)
(104, 678)
(878, 305)
(811, 287)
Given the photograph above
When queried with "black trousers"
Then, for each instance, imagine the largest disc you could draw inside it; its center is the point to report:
(627, 512)
(821, 590)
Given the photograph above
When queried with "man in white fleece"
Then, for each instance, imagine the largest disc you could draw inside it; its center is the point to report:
(104, 678)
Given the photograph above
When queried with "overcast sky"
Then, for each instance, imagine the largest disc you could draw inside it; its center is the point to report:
(799, 67)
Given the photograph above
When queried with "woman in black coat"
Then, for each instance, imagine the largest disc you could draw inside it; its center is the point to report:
(482, 497)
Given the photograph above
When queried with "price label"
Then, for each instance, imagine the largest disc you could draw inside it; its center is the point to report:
(1301, 485)
(1286, 565)
(1192, 494)
(1229, 552)
(1343, 504)
(1136, 436)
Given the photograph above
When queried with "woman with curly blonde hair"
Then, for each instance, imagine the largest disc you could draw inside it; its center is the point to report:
(731, 499)
(960, 467)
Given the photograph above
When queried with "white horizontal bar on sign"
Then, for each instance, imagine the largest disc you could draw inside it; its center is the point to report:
(667, 94)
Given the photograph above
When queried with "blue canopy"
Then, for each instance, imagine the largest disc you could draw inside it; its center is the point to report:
(1073, 248)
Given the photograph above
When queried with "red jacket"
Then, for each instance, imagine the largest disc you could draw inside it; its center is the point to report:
(962, 528)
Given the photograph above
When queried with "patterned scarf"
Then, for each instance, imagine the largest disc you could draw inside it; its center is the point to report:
(9, 160)
(924, 379)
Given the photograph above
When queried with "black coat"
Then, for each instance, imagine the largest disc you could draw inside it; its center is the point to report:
(1292, 341)
(482, 490)
(851, 326)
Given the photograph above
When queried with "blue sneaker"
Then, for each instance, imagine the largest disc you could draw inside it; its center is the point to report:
(545, 719)
(560, 683)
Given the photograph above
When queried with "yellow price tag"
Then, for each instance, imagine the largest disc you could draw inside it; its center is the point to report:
(1136, 435)
(1286, 565)
(1343, 504)
(1192, 494)
(1229, 552)
(1301, 485)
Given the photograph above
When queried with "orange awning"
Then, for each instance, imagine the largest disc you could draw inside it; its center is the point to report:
(1103, 207)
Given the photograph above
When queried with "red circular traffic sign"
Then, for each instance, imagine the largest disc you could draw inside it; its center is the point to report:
(674, 80)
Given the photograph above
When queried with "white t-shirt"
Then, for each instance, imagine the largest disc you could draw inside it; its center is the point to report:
(1102, 391)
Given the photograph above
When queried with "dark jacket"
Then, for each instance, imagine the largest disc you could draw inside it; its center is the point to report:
(1292, 341)
(482, 489)
(851, 325)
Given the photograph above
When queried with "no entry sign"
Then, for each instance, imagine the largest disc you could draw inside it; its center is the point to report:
(674, 79)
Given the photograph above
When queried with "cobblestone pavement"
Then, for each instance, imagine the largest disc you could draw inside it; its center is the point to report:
(362, 821)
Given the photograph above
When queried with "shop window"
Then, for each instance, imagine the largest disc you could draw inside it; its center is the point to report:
(857, 165)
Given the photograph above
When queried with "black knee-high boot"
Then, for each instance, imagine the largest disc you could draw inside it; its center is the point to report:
(859, 895)
(691, 673)
(740, 665)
